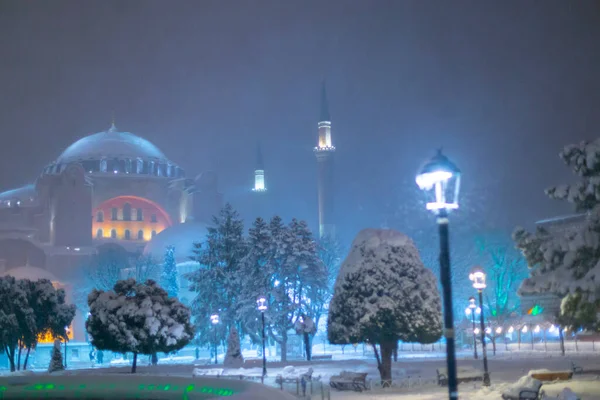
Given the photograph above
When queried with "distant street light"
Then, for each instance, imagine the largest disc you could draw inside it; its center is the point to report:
(477, 276)
(470, 311)
(215, 320)
(66, 340)
(440, 180)
(261, 305)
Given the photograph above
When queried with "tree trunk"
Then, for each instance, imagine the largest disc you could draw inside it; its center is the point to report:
(562, 340)
(154, 359)
(396, 352)
(494, 345)
(307, 346)
(385, 366)
(19, 356)
(11, 358)
(26, 359)
(134, 364)
(283, 345)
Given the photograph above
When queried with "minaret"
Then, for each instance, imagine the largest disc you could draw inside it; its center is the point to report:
(259, 173)
(324, 152)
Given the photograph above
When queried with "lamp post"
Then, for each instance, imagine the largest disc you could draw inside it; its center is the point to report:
(261, 305)
(470, 311)
(440, 180)
(477, 276)
(66, 340)
(215, 320)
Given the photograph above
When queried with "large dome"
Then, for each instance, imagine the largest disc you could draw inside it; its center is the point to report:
(181, 236)
(110, 144)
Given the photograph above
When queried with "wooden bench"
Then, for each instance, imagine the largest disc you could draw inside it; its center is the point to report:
(322, 357)
(576, 368)
(551, 376)
(530, 393)
(462, 375)
(349, 380)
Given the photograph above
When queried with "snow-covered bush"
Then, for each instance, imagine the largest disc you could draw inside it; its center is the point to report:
(137, 317)
(233, 357)
(56, 361)
(383, 294)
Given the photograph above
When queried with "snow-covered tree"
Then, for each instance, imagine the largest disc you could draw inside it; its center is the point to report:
(218, 280)
(568, 262)
(233, 357)
(383, 294)
(56, 361)
(577, 313)
(169, 275)
(137, 317)
(50, 313)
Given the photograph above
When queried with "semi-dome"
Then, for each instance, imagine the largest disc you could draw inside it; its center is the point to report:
(30, 272)
(181, 236)
(110, 144)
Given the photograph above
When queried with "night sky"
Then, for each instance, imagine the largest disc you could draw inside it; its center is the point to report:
(502, 86)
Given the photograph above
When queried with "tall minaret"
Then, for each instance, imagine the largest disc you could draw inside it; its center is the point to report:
(324, 152)
(259, 172)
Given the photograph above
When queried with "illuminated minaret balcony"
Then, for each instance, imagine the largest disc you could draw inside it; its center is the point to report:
(324, 144)
(259, 173)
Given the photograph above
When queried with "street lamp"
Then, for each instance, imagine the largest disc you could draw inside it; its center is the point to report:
(261, 305)
(215, 320)
(440, 180)
(66, 340)
(477, 276)
(470, 311)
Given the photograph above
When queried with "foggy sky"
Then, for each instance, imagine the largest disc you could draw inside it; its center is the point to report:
(502, 86)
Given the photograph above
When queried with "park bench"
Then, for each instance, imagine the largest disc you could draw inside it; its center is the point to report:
(322, 357)
(525, 393)
(349, 380)
(551, 376)
(462, 375)
(579, 370)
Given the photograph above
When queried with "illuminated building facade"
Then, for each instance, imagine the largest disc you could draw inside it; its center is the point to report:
(325, 185)
(111, 188)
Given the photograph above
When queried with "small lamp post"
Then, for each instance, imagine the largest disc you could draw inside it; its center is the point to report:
(66, 340)
(440, 180)
(477, 276)
(214, 319)
(470, 312)
(261, 305)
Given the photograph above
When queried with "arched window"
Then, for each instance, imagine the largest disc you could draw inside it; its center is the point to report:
(140, 215)
(153, 233)
(153, 218)
(103, 166)
(139, 167)
(114, 214)
(113, 233)
(128, 166)
(99, 234)
(140, 235)
(127, 234)
(127, 212)
(100, 216)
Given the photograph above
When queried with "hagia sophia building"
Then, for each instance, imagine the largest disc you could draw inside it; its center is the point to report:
(116, 190)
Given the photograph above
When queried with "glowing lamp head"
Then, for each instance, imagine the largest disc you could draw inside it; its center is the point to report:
(488, 330)
(537, 329)
(214, 319)
(499, 330)
(552, 329)
(477, 276)
(468, 311)
(472, 304)
(261, 304)
(524, 330)
(440, 180)
(476, 331)
(511, 329)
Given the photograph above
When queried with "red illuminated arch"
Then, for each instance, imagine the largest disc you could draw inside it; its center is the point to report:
(135, 199)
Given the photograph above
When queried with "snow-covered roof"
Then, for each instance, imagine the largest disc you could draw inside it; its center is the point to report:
(181, 236)
(110, 144)
(23, 193)
(29, 272)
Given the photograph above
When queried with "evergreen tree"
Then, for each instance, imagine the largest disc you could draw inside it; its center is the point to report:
(567, 262)
(383, 294)
(56, 361)
(169, 273)
(233, 357)
(218, 280)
